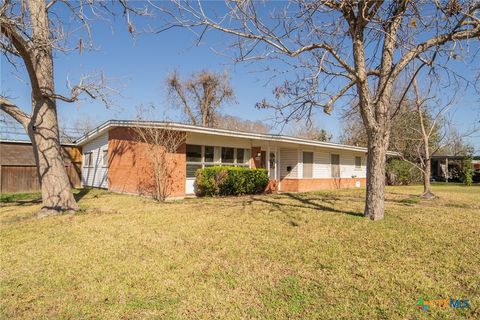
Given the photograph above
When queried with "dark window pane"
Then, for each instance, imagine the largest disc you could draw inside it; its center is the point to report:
(105, 158)
(240, 154)
(192, 169)
(358, 162)
(335, 161)
(227, 155)
(194, 153)
(209, 151)
(88, 159)
(308, 164)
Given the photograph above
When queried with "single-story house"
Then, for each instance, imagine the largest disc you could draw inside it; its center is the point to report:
(115, 160)
(18, 170)
(448, 168)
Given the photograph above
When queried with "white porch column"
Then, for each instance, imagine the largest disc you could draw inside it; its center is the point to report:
(268, 160)
(446, 169)
(278, 170)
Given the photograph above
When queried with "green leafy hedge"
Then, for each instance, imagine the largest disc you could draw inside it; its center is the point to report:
(226, 181)
(400, 172)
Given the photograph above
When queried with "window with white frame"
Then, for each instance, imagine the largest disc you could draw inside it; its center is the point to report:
(105, 158)
(308, 164)
(335, 165)
(87, 159)
(358, 162)
(207, 156)
(228, 155)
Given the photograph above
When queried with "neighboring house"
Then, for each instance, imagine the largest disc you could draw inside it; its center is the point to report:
(18, 171)
(114, 160)
(449, 168)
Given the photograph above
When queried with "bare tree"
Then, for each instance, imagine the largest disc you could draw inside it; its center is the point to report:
(162, 145)
(30, 33)
(421, 129)
(353, 131)
(427, 135)
(455, 142)
(404, 131)
(309, 132)
(80, 127)
(201, 95)
(355, 48)
(225, 121)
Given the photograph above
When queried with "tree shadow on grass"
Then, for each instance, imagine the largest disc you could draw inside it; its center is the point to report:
(81, 193)
(25, 202)
(303, 203)
(36, 198)
(402, 194)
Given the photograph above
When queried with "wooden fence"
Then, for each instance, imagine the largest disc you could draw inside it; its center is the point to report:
(25, 178)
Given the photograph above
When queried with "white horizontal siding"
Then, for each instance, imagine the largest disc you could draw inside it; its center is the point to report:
(347, 165)
(95, 175)
(321, 166)
(288, 158)
(300, 164)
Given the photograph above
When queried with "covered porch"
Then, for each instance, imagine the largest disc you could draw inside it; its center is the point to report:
(449, 168)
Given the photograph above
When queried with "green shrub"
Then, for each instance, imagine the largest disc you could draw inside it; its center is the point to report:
(467, 171)
(226, 181)
(402, 173)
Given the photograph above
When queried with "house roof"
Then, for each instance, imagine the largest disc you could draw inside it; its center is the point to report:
(215, 131)
(474, 157)
(20, 153)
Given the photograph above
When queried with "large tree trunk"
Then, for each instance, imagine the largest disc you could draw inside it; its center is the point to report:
(56, 189)
(43, 127)
(376, 160)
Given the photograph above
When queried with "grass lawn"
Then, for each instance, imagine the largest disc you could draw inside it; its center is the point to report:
(308, 255)
(19, 197)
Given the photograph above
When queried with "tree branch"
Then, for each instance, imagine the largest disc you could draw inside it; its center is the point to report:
(270, 38)
(14, 111)
(24, 49)
(328, 107)
(434, 42)
(175, 85)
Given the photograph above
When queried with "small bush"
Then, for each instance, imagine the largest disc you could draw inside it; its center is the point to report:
(466, 175)
(227, 181)
(402, 173)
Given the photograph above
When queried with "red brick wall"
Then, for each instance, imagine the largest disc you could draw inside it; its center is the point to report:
(303, 185)
(289, 185)
(130, 168)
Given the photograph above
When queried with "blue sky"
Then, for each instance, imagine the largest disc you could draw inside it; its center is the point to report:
(142, 64)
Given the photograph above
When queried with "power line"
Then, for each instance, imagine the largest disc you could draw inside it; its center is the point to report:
(65, 130)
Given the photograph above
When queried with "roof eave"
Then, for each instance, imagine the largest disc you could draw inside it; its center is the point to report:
(223, 132)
